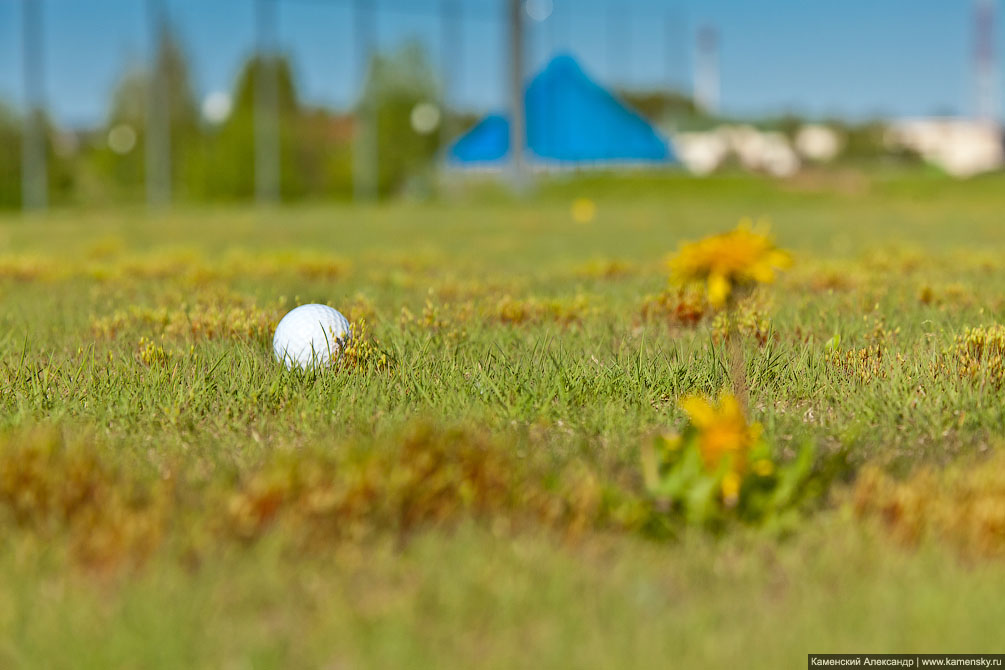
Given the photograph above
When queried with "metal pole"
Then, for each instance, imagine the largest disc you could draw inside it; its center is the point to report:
(34, 175)
(675, 53)
(365, 155)
(267, 159)
(613, 17)
(615, 43)
(706, 84)
(451, 54)
(669, 37)
(984, 62)
(158, 149)
(518, 121)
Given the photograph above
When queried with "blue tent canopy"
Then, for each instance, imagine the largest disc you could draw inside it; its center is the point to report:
(570, 119)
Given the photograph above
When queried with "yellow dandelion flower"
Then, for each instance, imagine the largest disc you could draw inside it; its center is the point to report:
(699, 410)
(583, 210)
(723, 429)
(763, 467)
(739, 258)
(671, 441)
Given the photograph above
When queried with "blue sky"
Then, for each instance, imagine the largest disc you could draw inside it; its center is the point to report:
(855, 58)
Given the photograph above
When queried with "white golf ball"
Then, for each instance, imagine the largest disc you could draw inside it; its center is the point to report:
(310, 335)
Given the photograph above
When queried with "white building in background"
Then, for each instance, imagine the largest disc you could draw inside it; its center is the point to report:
(818, 143)
(704, 152)
(761, 151)
(961, 147)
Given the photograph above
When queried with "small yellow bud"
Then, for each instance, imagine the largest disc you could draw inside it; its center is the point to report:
(731, 489)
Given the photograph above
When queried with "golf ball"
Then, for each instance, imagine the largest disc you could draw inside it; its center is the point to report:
(310, 335)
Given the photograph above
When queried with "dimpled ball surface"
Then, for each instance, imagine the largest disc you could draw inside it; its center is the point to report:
(310, 335)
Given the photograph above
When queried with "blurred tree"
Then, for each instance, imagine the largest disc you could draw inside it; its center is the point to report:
(118, 152)
(10, 158)
(61, 153)
(660, 106)
(120, 166)
(244, 95)
(865, 144)
(308, 141)
(397, 84)
(173, 66)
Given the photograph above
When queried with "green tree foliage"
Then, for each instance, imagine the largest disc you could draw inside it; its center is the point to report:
(865, 144)
(660, 106)
(122, 174)
(314, 152)
(397, 83)
(316, 146)
(217, 161)
(10, 158)
(60, 150)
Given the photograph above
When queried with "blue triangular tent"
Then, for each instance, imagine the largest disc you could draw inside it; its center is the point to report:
(570, 120)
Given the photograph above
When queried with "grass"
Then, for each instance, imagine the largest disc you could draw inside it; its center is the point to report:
(169, 496)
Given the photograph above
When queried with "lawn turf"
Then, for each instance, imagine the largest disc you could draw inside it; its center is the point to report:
(143, 342)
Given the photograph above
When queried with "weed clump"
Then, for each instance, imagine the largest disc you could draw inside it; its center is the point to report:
(720, 469)
(25, 268)
(682, 306)
(311, 498)
(211, 317)
(751, 319)
(151, 354)
(864, 365)
(518, 311)
(980, 354)
(604, 269)
(433, 478)
(361, 351)
(964, 506)
(54, 489)
(430, 479)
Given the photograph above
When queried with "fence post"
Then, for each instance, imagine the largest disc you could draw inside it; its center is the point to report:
(518, 121)
(451, 54)
(267, 158)
(365, 154)
(34, 172)
(158, 148)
